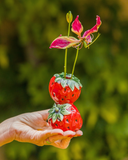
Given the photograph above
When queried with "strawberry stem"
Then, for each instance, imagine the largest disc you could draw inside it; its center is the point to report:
(65, 61)
(75, 61)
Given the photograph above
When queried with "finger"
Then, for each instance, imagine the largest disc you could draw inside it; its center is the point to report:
(69, 133)
(48, 133)
(61, 136)
(56, 131)
(42, 137)
(53, 139)
(78, 133)
(63, 144)
(56, 138)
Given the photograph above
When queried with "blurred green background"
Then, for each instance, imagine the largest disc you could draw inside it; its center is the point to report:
(27, 27)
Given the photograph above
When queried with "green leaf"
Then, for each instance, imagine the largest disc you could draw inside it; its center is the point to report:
(66, 105)
(63, 106)
(56, 75)
(56, 108)
(63, 83)
(65, 112)
(54, 117)
(75, 79)
(60, 116)
(60, 105)
(49, 116)
(58, 79)
(74, 82)
(77, 85)
(51, 110)
(71, 84)
(54, 105)
(80, 84)
(62, 74)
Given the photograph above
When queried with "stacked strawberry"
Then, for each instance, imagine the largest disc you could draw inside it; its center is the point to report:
(65, 88)
(65, 91)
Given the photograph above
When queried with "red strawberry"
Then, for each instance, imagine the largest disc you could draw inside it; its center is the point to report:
(65, 117)
(64, 90)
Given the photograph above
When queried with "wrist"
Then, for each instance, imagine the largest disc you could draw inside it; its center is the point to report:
(7, 133)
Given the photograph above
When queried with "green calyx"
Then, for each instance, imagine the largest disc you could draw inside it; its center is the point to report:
(58, 111)
(70, 81)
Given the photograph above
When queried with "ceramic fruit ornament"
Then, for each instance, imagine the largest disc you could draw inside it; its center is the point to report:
(65, 116)
(65, 88)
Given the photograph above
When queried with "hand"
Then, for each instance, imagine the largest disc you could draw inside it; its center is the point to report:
(33, 128)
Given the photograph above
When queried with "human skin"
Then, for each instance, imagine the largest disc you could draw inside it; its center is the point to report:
(33, 128)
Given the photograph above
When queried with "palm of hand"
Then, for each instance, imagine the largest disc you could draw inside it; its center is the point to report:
(33, 128)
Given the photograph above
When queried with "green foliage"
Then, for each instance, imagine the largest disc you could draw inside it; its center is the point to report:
(27, 27)
(16, 151)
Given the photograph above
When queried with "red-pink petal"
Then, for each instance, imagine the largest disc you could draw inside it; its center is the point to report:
(89, 39)
(93, 29)
(77, 26)
(98, 21)
(64, 42)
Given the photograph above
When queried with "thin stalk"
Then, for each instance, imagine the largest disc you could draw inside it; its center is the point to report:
(65, 60)
(69, 28)
(94, 40)
(65, 63)
(75, 61)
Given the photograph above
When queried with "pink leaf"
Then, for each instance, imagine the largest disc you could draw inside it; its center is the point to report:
(64, 42)
(93, 29)
(77, 26)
